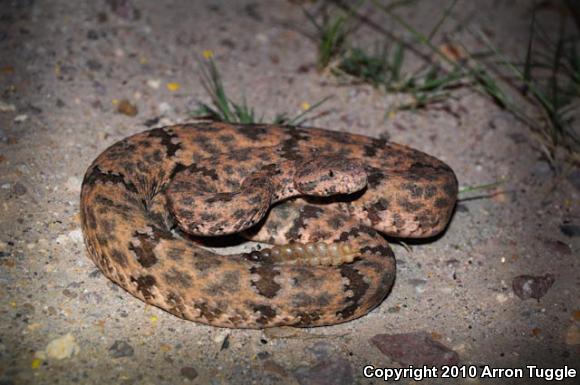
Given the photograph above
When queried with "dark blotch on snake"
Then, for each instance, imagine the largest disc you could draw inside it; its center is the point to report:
(358, 287)
(144, 285)
(266, 285)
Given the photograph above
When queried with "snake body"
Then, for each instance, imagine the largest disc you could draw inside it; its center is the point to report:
(151, 201)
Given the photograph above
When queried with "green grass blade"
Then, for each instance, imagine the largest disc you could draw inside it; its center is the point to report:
(533, 88)
(299, 119)
(441, 20)
(528, 62)
(468, 189)
(398, 59)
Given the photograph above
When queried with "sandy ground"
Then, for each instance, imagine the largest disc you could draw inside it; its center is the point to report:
(64, 64)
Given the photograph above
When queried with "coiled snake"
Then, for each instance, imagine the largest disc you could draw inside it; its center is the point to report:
(150, 201)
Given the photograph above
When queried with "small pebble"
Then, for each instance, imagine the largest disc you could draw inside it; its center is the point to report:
(188, 372)
(72, 236)
(126, 108)
(121, 349)
(418, 284)
(69, 294)
(18, 189)
(414, 349)
(20, 118)
(501, 298)
(570, 230)
(63, 347)
(151, 122)
(5, 107)
(557, 246)
(154, 83)
(530, 286)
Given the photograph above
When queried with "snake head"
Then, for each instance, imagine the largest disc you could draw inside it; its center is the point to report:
(327, 176)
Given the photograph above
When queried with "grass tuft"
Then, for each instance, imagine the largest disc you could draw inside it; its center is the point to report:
(223, 108)
(383, 69)
(331, 34)
(549, 81)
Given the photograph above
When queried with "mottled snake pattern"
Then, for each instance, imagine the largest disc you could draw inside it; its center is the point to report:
(152, 202)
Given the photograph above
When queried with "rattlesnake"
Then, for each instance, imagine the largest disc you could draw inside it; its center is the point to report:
(150, 201)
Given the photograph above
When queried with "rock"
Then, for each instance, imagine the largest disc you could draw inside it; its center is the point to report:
(126, 108)
(20, 118)
(327, 372)
(121, 349)
(452, 263)
(530, 286)
(69, 294)
(151, 122)
(418, 284)
(414, 349)
(570, 230)
(63, 347)
(188, 372)
(75, 236)
(5, 107)
(557, 246)
(18, 189)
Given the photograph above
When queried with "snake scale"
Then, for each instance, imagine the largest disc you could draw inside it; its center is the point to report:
(151, 202)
